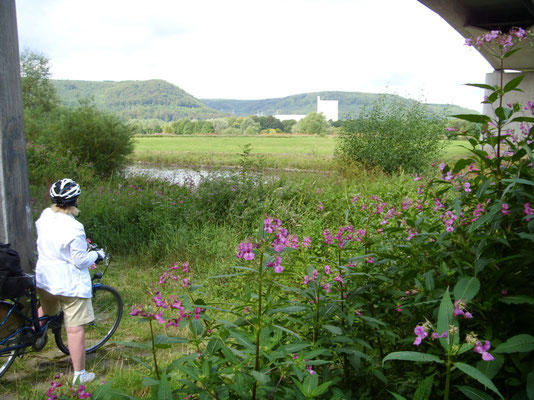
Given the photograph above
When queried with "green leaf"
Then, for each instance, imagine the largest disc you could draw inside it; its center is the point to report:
(474, 394)
(461, 164)
(300, 387)
(295, 347)
(397, 396)
(503, 113)
(490, 369)
(482, 86)
(290, 309)
(333, 329)
(196, 326)
(262, 378)
(477, 118)
(519, 180)
(518, 344)
(164, 389)
(424, 388)
(478, 376)
(319, 390)
(529, 236)
(523, 119)
(519, 299)
(243, 341)
(287, 331)
(412, 356)
(445, 318)
(466, 288)
(514, 83)
(148, 381)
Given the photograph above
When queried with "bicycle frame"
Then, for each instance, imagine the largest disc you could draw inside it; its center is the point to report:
(33, 327)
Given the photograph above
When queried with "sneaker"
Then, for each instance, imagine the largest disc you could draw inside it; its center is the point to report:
(83, 378)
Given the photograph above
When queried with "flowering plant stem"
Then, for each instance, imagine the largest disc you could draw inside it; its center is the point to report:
(448, 378)
(153, 348)
(258, 328)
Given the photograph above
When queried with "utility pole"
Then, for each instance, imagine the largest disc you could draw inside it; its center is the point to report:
(16, 224)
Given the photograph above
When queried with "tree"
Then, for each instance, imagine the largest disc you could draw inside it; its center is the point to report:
(94, 137)
(39, 96)
(37, 91)
(313, 124)
(250, 127)
(393, 134)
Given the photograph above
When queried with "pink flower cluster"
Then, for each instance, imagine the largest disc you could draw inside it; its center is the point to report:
(421, 332)
(282, 237)
(482, 349)
(502, 39)
(246, 251)
(449, 218)
(344, 234)
(460, 309)
(161, 303)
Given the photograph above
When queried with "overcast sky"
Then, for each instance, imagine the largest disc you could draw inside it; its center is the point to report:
(256, 49)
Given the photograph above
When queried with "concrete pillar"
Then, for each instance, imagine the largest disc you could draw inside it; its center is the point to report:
(16, 224)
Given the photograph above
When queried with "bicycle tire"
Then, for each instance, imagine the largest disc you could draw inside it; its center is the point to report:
(107, 307)
(12, 324)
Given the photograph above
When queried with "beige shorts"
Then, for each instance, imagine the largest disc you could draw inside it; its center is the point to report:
(77, 311)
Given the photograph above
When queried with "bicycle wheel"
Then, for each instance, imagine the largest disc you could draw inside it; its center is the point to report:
(11, 324)
(107, 306)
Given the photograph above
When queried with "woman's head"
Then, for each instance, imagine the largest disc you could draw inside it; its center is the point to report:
(65, 192)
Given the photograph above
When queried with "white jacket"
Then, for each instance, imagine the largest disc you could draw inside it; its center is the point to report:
(63, 259)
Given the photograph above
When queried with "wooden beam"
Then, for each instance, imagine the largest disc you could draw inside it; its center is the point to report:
(16, 223)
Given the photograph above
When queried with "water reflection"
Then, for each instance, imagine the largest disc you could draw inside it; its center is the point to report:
(176, 175)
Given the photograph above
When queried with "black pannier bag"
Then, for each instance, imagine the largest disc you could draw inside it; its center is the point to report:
(13, 280)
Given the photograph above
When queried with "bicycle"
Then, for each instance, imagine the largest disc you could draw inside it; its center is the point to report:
(20, 331)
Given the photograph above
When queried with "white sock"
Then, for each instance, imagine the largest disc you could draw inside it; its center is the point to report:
(78, 373)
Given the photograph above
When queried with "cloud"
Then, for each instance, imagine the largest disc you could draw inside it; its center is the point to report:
(251, 49)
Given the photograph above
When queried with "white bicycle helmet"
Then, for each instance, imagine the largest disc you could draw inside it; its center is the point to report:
(65, 192)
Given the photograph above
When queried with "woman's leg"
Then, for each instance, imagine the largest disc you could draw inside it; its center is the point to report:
(76, 342)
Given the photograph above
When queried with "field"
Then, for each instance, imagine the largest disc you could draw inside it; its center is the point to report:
(282, 152)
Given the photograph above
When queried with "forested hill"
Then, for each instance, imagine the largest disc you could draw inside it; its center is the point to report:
(350, 104)
(156, 99)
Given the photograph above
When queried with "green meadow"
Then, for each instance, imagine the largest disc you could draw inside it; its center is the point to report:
(281, 152)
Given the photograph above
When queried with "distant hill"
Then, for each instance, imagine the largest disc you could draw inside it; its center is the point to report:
(136, 99)
(158, 99)
(350, 104)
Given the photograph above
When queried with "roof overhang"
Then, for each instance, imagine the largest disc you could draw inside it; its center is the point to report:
(472, 18)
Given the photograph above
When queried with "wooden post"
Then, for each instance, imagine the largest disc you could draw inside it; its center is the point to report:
(16, 224)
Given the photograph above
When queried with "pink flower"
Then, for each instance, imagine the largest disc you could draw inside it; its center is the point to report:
(505, 209)
(358, 312)
(370, 260)
(421, 333)
(528, 211)
(306, 242)
(467, 187)
(436, 335)
(483, 350)
(310, 370)
(320, 206)
(327, 269)
(244, 251)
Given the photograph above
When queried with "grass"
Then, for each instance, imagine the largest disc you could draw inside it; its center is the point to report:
(279, 152)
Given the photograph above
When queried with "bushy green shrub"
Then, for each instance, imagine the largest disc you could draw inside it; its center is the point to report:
(393, 134)
(93, 136)
(313, 124)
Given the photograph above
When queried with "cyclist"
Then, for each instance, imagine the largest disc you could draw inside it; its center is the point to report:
(62, 274)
